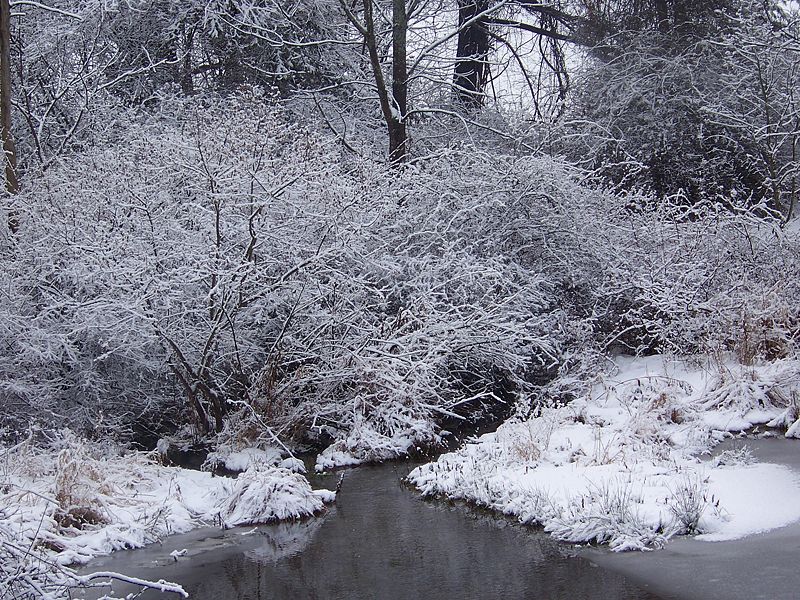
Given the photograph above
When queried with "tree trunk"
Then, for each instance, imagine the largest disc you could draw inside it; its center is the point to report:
(394, 105)
(474, 44)
(12, 184)
(398, 137)
(662, 15)
(187, 84)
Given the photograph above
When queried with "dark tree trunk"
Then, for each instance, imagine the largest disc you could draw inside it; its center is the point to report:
(12, 184)
(187, 84)
(683, 21)
(398, 136)
(474, 44)
(393, 102)
(662, 15)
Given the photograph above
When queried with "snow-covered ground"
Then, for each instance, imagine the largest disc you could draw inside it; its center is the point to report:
(625, 464)
(65, 506)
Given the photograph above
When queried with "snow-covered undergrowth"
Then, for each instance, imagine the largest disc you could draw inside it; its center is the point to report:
(623, 464)
(65, 505)
(227, 268)
(363, 444)
(247, 458)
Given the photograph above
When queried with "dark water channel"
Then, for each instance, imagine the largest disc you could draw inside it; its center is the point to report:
(380, 540)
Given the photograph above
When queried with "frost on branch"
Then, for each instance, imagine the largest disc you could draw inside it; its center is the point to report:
(253, 276)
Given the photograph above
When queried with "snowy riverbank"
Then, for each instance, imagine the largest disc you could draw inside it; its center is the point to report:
(760, 566)
(623, 465)
(68, 505)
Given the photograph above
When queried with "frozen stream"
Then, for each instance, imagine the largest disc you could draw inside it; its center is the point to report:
(380, 540)
(760, 566)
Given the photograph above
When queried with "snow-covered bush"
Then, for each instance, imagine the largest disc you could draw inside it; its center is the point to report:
(606, 514)
(734, 456)
(706, 113)
(687, 503)
(789, 418)
(750, 387)
(705, 279)
(224, 260)
(267, 494)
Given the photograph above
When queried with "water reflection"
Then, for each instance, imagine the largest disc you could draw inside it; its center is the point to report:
(282, 541)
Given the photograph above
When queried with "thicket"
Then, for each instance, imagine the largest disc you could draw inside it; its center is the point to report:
(706, 109)
(209, 235)
(218, 263)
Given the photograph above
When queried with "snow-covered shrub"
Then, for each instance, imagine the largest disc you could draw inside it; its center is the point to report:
(606, 515)
(653, 401)
(78, 485)
(687, 503)
(138, 284)
(224, 261)
(248, 441)
(264, 494)
(743, 387)
(363, 444)
(734, 456)
(709, 119)
(667, 278)
(790, 417)
(240, 460)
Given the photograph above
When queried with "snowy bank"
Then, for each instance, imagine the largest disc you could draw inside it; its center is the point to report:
(622, 465)
(69, 505)
(365, 444)
(238, 461)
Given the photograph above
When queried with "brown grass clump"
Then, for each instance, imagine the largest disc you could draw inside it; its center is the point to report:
(79, 483)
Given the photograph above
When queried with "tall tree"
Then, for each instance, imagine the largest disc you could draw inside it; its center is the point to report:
(398, 135)
(472, 52)
(12, 183)
(486, 24)
(393, 99)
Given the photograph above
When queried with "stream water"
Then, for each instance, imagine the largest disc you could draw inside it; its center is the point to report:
(380, 540)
